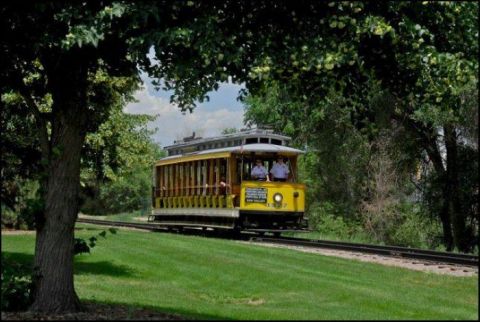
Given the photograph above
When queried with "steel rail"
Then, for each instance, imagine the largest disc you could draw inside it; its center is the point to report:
(152, 227)
(405, 252)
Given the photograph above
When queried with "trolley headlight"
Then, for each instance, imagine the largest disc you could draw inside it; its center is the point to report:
(277, 197)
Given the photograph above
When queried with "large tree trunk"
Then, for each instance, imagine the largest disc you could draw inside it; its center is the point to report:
(429, 140)
(53, 264)
(453, 221)
(452, 197)
(445, 216)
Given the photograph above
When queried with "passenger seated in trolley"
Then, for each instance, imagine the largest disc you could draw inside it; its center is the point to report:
(259, 172)
(280, 170)
(223, 186)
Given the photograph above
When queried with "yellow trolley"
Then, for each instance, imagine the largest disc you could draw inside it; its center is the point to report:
(208, 183)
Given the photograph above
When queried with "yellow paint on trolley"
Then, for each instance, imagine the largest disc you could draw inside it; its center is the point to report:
(288, 191)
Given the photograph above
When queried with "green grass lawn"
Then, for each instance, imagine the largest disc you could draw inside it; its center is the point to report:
(220, 279)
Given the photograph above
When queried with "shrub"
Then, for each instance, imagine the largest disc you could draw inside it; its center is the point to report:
(16, 286)
(33, 208)
(324, 218)
(9, 217)
(416, 229)
(23, 216)
(124, 194)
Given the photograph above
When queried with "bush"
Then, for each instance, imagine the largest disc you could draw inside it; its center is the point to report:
(124, 194)
(415, 229)
(16, 286)
(33, 208)
(325, 218)
(23, 216)
(400, 223)
(9, 218)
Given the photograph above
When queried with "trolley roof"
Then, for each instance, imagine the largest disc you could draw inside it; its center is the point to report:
(228, 151)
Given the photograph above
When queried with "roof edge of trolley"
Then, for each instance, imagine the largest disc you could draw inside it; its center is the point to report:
(242, 134)
(226, 152)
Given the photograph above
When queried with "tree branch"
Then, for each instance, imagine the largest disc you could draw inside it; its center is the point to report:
(40, 120)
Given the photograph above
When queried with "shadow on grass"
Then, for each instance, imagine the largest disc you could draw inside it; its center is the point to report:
(80, 267)
(178, 313)
(102, 268)
(107, 268)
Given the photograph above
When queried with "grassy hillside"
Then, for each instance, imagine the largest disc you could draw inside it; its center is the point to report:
(220, 279)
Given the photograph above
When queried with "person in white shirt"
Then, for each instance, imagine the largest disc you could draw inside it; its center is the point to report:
(259, 172)
(280, 170)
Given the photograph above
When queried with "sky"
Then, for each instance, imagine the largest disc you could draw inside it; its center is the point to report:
(208, 118)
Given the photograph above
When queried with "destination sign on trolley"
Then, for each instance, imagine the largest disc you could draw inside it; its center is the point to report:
(256, 195)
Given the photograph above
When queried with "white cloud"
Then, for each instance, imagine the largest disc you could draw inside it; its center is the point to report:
(173, 125)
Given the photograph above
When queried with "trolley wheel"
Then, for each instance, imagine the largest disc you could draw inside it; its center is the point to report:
(237, 231)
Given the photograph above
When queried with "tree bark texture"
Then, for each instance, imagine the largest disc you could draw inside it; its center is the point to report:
(54, 249)
(429, 142)
(453, 221)
(53, 266)
(460, 236)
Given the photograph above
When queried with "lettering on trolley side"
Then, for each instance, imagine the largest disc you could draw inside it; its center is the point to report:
(256, 195)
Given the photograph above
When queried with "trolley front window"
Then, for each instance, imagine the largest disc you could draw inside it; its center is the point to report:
(245, 165)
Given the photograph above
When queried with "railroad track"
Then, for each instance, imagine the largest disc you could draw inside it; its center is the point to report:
(393, 251)
(404, 252)
(151, 227)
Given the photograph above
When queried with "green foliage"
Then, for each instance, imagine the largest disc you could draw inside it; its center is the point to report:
(18, 144)
(27, 206)
(120, 144)
(81, 245)
(33, 209)
(9, 217)
(229, 130)
(337, 150)
(94, 28)
(324, 218)
(415, 229)
(127, 193)
(117, 170)
(468, 168)
(117, 162)
(16, 285)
